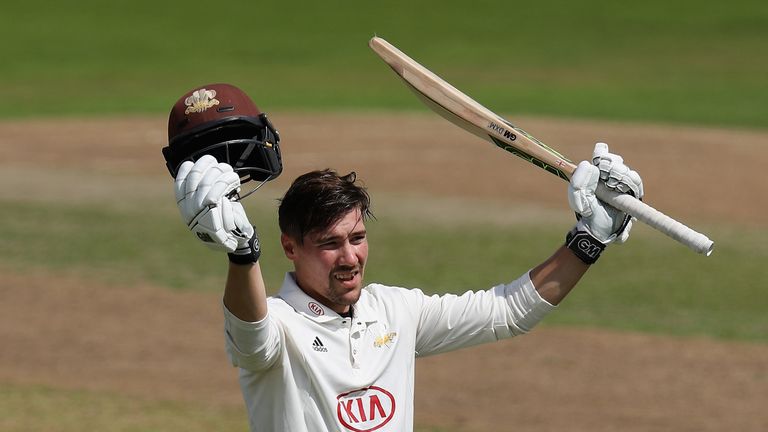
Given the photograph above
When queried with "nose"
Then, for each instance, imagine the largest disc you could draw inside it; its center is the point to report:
(348, 255)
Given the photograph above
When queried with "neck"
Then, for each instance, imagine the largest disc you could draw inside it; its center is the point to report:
(342, 310)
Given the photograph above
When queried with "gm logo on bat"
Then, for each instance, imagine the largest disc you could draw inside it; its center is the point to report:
(507, 134)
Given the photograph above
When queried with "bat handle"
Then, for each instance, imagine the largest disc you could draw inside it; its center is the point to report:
(656, 219)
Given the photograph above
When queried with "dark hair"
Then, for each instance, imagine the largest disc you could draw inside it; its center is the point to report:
(318, 199)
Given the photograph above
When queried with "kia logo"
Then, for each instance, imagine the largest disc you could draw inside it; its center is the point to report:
(366, 409)
(316, 308)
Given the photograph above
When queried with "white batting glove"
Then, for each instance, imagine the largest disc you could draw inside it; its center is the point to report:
(615, 174)
(599, 220)
(205, 195)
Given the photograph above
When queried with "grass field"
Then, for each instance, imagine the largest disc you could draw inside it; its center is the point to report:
(625, 294)
(699, 62)
(683, 61)
(110, 227)
(35, 408)
(25, 409)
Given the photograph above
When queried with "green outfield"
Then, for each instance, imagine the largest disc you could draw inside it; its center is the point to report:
(694, 61)
(697, 296)
(35, 408)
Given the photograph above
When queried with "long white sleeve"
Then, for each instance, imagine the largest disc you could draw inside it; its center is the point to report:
(450, 322)
(251, 345)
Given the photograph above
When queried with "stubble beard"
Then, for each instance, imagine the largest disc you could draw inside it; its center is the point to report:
(338, 294)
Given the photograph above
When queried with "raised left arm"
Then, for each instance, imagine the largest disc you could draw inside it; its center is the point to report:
(555, 277)
(598, 224)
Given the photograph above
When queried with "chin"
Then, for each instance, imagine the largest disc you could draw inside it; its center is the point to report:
(349, 297)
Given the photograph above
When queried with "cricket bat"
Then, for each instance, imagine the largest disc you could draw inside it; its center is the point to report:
(463, 111)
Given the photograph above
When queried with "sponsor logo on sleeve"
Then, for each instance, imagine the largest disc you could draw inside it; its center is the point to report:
(366, 409)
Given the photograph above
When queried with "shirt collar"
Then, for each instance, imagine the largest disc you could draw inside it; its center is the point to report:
(313, 309)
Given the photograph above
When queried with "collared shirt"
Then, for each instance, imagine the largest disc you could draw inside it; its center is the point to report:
(304, 368)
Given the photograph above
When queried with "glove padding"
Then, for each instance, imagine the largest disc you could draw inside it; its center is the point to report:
(206, 194)
(605, 223)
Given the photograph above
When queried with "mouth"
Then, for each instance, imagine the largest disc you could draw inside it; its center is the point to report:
(346, 276)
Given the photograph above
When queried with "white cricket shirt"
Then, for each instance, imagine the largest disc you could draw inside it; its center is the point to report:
(304, 368)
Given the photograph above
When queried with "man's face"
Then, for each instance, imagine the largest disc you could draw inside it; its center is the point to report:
(329, 264)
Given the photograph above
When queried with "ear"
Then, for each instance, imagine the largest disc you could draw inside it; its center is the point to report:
(289, 246)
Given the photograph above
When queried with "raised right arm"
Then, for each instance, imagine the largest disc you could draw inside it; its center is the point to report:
(245, 295)
(252, 338)
(206, 192)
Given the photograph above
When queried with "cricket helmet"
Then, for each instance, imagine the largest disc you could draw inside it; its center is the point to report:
(222, 121)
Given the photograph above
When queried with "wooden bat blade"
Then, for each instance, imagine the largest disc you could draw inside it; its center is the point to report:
(564, 167)
(466, 113)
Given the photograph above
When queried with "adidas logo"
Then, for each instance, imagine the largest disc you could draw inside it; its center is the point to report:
(318, 346)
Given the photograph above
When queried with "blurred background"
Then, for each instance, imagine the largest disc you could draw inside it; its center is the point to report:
(110, 311)
(681, 61)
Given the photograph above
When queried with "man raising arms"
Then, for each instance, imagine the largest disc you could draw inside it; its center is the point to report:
(328, 352)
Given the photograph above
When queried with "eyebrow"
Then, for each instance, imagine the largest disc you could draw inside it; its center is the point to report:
(329, 238)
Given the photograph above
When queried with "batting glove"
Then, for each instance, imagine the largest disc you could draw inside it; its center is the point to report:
(206, 193)
(598, 223)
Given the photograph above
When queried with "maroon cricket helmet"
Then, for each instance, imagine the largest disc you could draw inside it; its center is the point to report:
(222, 121)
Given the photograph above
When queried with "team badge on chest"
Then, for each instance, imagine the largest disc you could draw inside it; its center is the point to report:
(385, 340)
